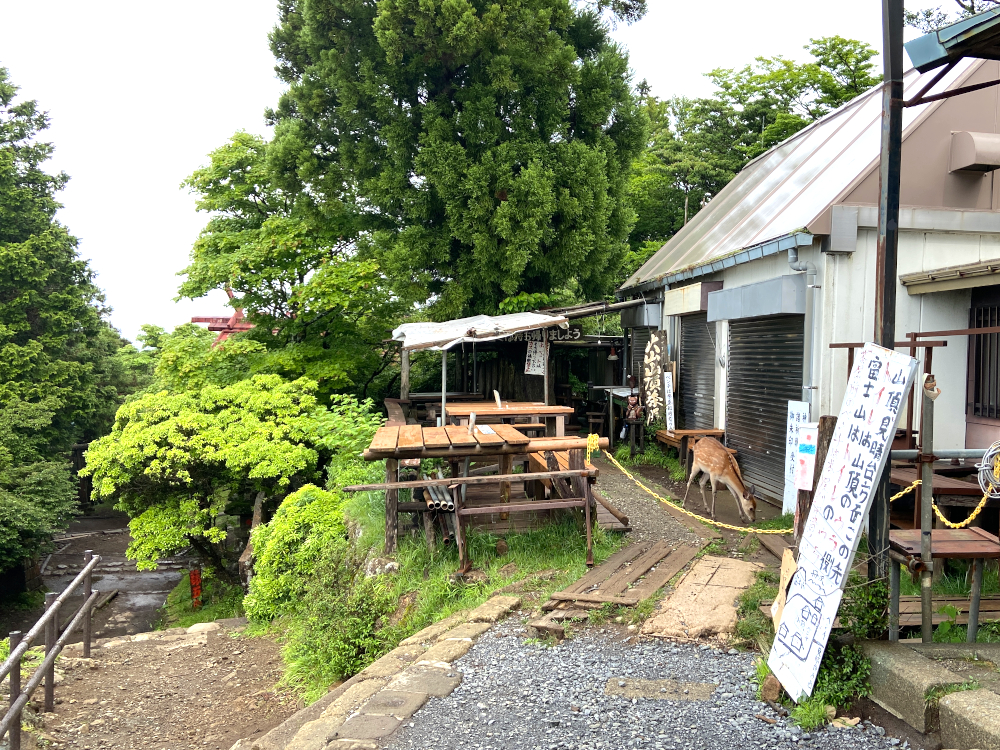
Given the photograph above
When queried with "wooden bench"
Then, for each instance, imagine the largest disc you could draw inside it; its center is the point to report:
(682, 439)
(395, 410)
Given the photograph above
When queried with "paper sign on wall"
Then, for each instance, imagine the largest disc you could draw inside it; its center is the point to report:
(805, 456)
(534, 361)
(858, 451)
(798, 415)
(668, 398)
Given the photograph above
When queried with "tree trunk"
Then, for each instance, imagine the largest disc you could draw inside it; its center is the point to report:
(246, 559)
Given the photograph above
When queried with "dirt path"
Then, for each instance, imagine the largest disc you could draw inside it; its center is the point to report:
(175, 691)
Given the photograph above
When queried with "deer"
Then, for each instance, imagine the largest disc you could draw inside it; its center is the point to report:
(713, 461)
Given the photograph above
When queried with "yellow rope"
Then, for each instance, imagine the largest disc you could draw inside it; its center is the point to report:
(695, 515)
(994, 484)
(593, 444)
(908, 489)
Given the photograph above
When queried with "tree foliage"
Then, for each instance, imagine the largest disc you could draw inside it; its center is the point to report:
(63, 370)
(696, 146)
(932, 19)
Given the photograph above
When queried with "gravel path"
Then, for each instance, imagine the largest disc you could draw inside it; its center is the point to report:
(648, 520)
(517, 695)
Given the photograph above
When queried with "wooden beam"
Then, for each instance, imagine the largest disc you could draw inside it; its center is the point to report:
(957, 332)
(898, 345)
(488, 510)
(535, 446)
(451, 481)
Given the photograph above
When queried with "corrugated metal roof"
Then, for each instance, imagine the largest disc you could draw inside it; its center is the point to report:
(783, 190)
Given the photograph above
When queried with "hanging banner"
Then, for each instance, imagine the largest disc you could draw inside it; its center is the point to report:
(668, 398)
(858, 452)
(534, 361)
(798, 415)
(805, 456)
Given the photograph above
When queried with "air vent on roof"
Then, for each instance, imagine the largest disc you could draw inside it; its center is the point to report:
(975, 152)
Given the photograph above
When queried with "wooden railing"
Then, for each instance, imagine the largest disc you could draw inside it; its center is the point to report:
(48, 628)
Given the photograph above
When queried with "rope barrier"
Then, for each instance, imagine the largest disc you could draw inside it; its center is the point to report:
(627, 473)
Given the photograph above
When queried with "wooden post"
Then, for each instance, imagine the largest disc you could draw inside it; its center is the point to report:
(804, 499)
(506, 467)
(404, 374)
(545, 370)
(51, 635)
(391, 505)
(15, 692)
(581, 488)
(429, 529)
(88, 589)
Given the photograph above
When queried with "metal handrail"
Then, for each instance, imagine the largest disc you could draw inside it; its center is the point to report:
(54, 643)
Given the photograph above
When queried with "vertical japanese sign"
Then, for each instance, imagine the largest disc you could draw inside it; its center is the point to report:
(798, 415)
(805, 456)
(858, 451)
(668, 398)
(534, 361)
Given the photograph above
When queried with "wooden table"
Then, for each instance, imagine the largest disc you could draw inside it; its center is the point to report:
(553, 416)
(960, 544)
(904, 477)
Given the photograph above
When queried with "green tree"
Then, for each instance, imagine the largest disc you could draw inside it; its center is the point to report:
(476, 150)
(319, 310)
(932, 19)
(175, 461)
(63, 370)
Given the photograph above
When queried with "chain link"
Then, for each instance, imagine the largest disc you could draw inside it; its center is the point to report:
(695, 515)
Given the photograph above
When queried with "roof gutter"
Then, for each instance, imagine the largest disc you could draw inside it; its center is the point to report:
(791, 241)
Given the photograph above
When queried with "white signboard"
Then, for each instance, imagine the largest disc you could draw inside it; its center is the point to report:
(668, 398)
(534, 362)
(798, 415)
(860, 447)
(805, 456)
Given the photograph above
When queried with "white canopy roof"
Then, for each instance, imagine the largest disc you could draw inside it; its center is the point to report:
(477, 328)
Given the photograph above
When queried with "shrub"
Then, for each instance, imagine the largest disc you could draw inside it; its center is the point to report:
(289, 546)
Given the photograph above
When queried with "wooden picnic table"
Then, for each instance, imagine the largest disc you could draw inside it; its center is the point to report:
(553, 416)
(904, 477)
(962, 544)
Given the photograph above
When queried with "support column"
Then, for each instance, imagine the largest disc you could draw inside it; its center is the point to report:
(545, 348)
(391, 506)
(404, 375)
(888, 241)
(926, 511)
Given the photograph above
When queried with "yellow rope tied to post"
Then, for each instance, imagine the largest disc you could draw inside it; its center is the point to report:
(994, 486)
(593, 444)
(906, 491)
(743, 529)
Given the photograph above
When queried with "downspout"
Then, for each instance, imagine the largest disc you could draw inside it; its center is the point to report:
(808, 389)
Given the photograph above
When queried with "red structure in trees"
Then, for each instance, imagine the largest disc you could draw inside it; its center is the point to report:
(226, 326)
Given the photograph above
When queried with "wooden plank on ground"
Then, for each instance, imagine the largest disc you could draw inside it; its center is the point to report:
(411, 438)
(510, 434)
(436, 437)
(486, 437)
(667, 569)
(460, 436)
(607, 568)
(632, 572)
(627, 600)
(385, 438)
(776, 544)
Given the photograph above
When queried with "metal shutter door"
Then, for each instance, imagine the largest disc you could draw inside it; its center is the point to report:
(640, 337)
(765, 373)
(697, 377)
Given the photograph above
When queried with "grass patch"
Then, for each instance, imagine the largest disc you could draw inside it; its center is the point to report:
(346, 620)
(654, 456)
(23, 601)
(753, 627)
(956, 582)
(784, 521)
(936, 694)
(218, 601)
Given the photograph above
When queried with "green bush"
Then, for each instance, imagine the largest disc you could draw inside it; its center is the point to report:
(288, 547)
(843, 677)
(654, 456)
(219, 600)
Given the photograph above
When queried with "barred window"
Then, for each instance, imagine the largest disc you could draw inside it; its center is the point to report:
(984, 354)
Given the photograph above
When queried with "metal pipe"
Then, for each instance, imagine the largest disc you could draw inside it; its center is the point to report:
(15, 693)
(977, 588)
(88, 589)
(926, 517)
(51, 635)
(37, 628)
(428, 499)
(910, 455)
(893, 600)
(807, 345)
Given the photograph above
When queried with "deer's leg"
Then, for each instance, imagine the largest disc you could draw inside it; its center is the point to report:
(738, 496)
(715, 489)
(694, 473)
(704, 500)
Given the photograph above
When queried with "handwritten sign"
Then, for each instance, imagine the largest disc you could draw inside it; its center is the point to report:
(805, 456)
(668, 398)
(798, 415)
(573, 333)
(858, 451)
(534, 361)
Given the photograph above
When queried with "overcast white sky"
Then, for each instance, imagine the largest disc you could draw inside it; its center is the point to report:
(139, 93)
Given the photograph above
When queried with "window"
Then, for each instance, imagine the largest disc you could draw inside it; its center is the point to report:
(984, 354)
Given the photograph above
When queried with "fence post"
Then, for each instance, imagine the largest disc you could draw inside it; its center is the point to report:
(88, 584)
(15, 691)
(51, 635)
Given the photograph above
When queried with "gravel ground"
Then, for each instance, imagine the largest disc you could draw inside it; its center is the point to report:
(517, 695)
(648, 520)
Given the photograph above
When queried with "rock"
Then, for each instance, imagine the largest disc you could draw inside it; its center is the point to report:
(771, 689)
(380, 566)
(203, 627)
